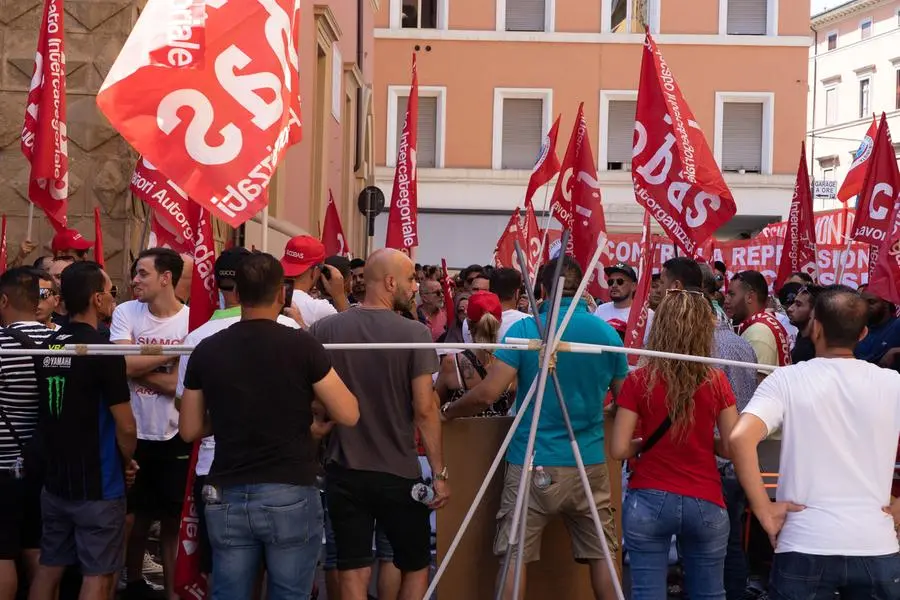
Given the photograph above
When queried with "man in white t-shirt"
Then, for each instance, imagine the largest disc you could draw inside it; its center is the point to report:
(225, 270)
(622, 281)
(840, 418)
(303, 264)
(507, 284)
(155, 317)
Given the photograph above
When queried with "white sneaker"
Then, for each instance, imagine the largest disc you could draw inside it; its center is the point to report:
(122, 583)
(151, 567)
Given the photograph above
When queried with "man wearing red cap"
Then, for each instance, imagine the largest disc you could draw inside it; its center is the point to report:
(303, 265)
(68, 242)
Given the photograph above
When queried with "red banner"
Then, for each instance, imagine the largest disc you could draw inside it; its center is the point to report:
(885, 273)
(403, 218)
(640, 305)
(853, 182)
(830, 226)
(876, 200)
(675, 175)
(546, 166)
(332, 232)
(218, 131)
(204, 295)
(505, 252)
(44, 139)
(799, 250)
(168, 204)
(98, 239)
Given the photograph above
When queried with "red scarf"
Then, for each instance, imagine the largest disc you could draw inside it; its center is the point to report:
(782, 343)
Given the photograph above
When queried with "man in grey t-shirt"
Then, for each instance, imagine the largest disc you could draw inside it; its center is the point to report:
(372, 468)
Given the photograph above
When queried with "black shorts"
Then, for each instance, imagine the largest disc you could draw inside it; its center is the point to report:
(20, 515)
(158, 490)
(356, 499)
(204, 548)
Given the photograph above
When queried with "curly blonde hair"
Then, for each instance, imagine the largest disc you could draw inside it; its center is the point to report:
(683, 324)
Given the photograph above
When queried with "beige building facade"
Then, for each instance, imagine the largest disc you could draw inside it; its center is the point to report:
(493, 75)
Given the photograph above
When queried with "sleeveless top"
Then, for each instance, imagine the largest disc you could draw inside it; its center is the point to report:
(497, 409)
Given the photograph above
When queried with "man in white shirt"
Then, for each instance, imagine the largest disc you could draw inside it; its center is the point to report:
(507, 284)
(840, 418)
(622, 281)
(303, 264)
(155, 317)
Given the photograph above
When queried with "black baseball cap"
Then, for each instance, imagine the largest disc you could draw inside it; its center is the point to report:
(227, 264)
(621, 268)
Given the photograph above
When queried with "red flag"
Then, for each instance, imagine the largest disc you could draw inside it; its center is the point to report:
(798, 253)
(218, 131)
(878, 195)
(640, 305)
(533, 238)
(204, 295)
(577, 201)
(3, 245)
(674, 173)
(505, 252)
(98, 239)
(403, 218)
(44, 139)
(547, 164)
(884, 276)
(853, 182)
(332, 232)
(168, 205)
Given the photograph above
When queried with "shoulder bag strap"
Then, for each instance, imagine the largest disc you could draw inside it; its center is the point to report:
(655, 436)
(479, 368)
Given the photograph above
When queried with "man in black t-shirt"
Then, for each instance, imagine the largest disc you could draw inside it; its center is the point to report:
(88, 438)
(256, 381)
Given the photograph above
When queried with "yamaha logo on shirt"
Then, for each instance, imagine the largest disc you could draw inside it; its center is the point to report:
(63, 362)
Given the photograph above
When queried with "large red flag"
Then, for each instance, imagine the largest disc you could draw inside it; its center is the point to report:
(216, 121)
(533, 239)
(168, 204)
(884, 275)
(44, 139)
(798, 253)
(505, 252)
(853, 182)
(332, 232)
(878, 195)
(640, 305)
(547, 164)
(403, 218)
(98, 239)
(675, 175)
(3, 251)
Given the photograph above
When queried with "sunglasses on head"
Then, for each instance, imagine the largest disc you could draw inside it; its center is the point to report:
(616, 281)
(46, 293)
(679, 291)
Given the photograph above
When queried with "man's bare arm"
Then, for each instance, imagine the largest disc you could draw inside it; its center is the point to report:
(126, 430)
(138, 366)
(427, 420)
(164, 383)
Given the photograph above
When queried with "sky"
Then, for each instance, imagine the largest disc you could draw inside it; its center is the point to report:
(817, 6)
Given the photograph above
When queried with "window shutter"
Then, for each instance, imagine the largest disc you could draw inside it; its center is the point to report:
(830, 106)
(426, 144)
(742, 136)
(525, 15)
(747, 17)
(620, 133)
(521, 136)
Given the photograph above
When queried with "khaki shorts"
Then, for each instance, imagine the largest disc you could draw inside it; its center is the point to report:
(565, 497)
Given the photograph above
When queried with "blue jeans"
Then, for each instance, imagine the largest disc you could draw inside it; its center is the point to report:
(650, 519)
(278, 524)
(735, 559)
(798, 576)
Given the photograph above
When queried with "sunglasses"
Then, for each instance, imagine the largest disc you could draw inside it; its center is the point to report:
(618, 281)
(46, 293)
(113, 291)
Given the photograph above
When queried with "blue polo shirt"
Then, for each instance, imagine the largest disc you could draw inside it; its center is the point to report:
(879, 340)
(585, 380)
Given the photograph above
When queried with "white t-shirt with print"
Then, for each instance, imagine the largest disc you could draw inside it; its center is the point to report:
(840, 419)
(211, 327)
(609, 312)
(311, 309)
(155, 414)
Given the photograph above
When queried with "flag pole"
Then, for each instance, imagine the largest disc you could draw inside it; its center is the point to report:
(30, 221)
(546, 222)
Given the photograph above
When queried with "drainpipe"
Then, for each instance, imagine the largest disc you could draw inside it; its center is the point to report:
(360, 109)
(815, 87)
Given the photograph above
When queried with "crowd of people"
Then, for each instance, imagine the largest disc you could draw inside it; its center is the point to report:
(771, 480)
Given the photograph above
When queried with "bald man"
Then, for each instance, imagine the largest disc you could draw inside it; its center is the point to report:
(373, 467)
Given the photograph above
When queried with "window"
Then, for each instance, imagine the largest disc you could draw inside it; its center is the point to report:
(431, 124)
(897, 92)
(831, 106)
(828, 174)
(865, 29)
(620, 134)
(747, 17)
(525, 15)
(419, 14)
(742, 126)
(832, 40)
(864, 97)
(521, 118)
(628, 16)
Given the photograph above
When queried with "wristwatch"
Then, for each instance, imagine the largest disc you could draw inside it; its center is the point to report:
(442, 475)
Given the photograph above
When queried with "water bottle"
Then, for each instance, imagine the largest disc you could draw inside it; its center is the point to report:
(423, 493)
(541, 478)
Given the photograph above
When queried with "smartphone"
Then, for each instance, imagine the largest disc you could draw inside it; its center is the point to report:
(288, 292)
(326, 272)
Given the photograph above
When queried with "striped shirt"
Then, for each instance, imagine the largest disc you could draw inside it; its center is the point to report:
(18, 392)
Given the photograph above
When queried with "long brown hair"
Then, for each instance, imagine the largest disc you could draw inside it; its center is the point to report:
(683, 324)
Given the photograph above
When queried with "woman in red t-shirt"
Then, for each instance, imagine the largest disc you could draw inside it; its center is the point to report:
(675, 488)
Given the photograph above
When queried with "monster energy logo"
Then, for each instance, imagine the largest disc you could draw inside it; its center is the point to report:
(56, 388)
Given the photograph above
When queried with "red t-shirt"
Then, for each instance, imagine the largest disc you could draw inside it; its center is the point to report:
(686, 467)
